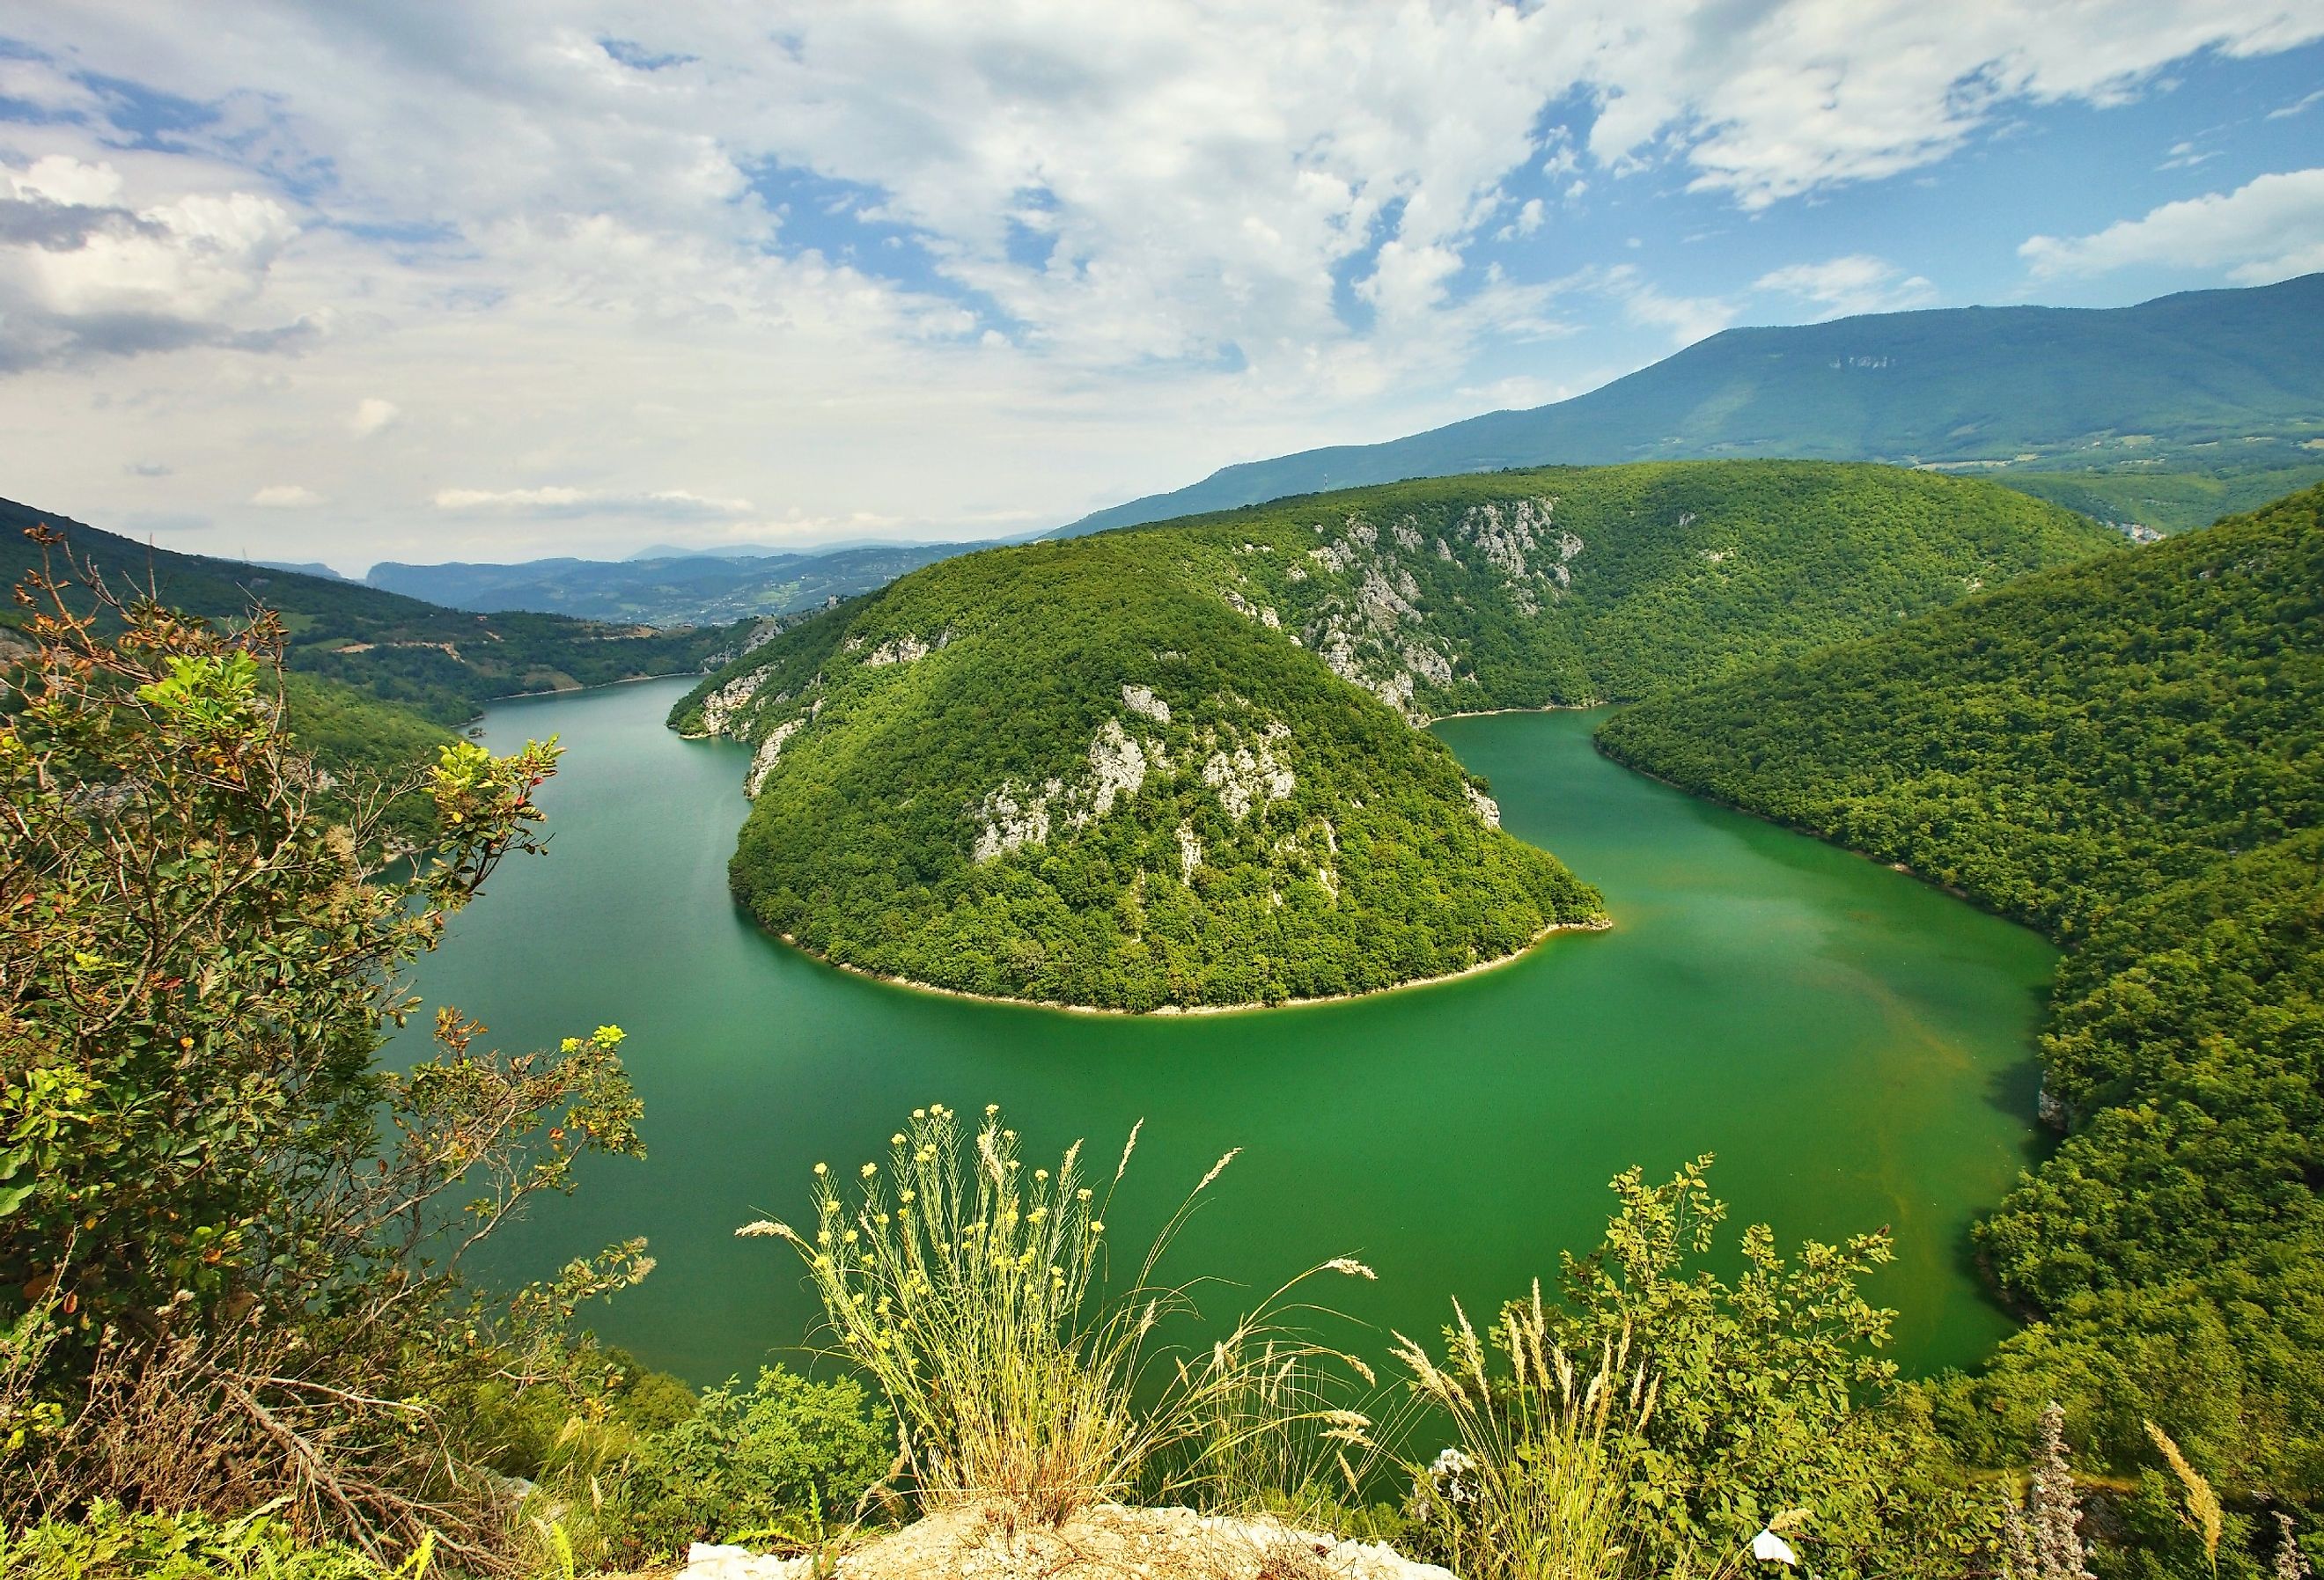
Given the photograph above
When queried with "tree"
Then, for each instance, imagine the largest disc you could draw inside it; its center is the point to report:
(228, 1238)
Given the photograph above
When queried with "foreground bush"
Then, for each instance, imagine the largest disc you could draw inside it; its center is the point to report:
(110, 1544)
(1655, 1417)
(772, 1464)
(228, 1238)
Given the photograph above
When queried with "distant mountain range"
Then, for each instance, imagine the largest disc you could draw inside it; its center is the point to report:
(2167, 414)
(679, 588)
(767, 550)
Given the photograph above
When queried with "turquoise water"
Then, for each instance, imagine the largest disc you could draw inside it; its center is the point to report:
(1855, 1046)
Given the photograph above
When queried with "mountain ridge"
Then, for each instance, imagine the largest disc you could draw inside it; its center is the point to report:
(2210, 363)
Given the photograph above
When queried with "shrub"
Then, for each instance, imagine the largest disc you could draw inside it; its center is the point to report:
(228, 1238)
(1538, 1488)
(1655, 1417)
(771, 1461)
(108, 1543)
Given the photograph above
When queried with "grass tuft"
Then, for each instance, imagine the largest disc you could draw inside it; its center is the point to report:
(971, 1290)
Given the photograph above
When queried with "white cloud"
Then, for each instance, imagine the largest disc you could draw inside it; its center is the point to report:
(286, 496)
(1857, 283)
(875, 261)
(511, 498)
(2270, 229)
(374, 415)
(1688, 318)
(83, 275)
(1776, 101)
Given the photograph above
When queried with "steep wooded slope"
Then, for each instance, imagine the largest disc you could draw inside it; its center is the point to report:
(2130, 753)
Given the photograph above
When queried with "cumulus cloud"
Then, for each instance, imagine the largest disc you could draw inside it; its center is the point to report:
(374, 415)
(2270, 229)
(1775, 101)
(1857, 283)
(286, 496)
(777, 262)
(82, 275)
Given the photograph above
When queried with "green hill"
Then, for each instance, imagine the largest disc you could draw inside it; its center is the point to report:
(443, 664)
(2128, 753)
(2219, 385)
(1176, 765)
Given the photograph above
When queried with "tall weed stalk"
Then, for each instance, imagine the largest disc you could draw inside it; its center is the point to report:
(1535, 1488)
(971, 1289)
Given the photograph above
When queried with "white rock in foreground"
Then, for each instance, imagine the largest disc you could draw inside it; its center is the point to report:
(704, 1561)
(989, 1544)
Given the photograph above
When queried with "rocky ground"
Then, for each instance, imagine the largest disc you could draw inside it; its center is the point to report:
(1105, 1543)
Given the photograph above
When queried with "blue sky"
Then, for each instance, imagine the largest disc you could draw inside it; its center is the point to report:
(492, 281)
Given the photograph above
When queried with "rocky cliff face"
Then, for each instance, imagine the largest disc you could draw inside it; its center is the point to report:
(1372, 603)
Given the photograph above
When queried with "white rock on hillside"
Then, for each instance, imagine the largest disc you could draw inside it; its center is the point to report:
(907, 649)
(1013, 817)
(1246, 776)
(1117, 768)
(1488, 809)
(1142, 699)
(723, 704)
(769, 753)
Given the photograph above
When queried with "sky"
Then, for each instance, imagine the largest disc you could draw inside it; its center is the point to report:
(490, 280)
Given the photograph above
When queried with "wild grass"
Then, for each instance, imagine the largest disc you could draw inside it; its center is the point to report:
(972, 1290)
(1535, 1487)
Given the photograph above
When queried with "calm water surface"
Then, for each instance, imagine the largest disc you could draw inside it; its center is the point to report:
(1855, 1046)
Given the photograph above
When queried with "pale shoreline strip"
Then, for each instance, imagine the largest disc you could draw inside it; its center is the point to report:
(1259, 1006)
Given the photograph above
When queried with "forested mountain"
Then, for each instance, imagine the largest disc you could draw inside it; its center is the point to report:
(671, 587)
(2128, 753)
(442, 663)
(1131, 770)
(2219, 384)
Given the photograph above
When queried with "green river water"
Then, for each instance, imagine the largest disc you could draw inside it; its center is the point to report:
(1855, 1046)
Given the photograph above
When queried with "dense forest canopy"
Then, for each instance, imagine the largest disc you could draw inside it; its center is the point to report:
(2129, 753)
(1176, 765)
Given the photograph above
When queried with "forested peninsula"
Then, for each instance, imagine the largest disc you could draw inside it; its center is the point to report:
(2129, 754)
(1176, 766)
